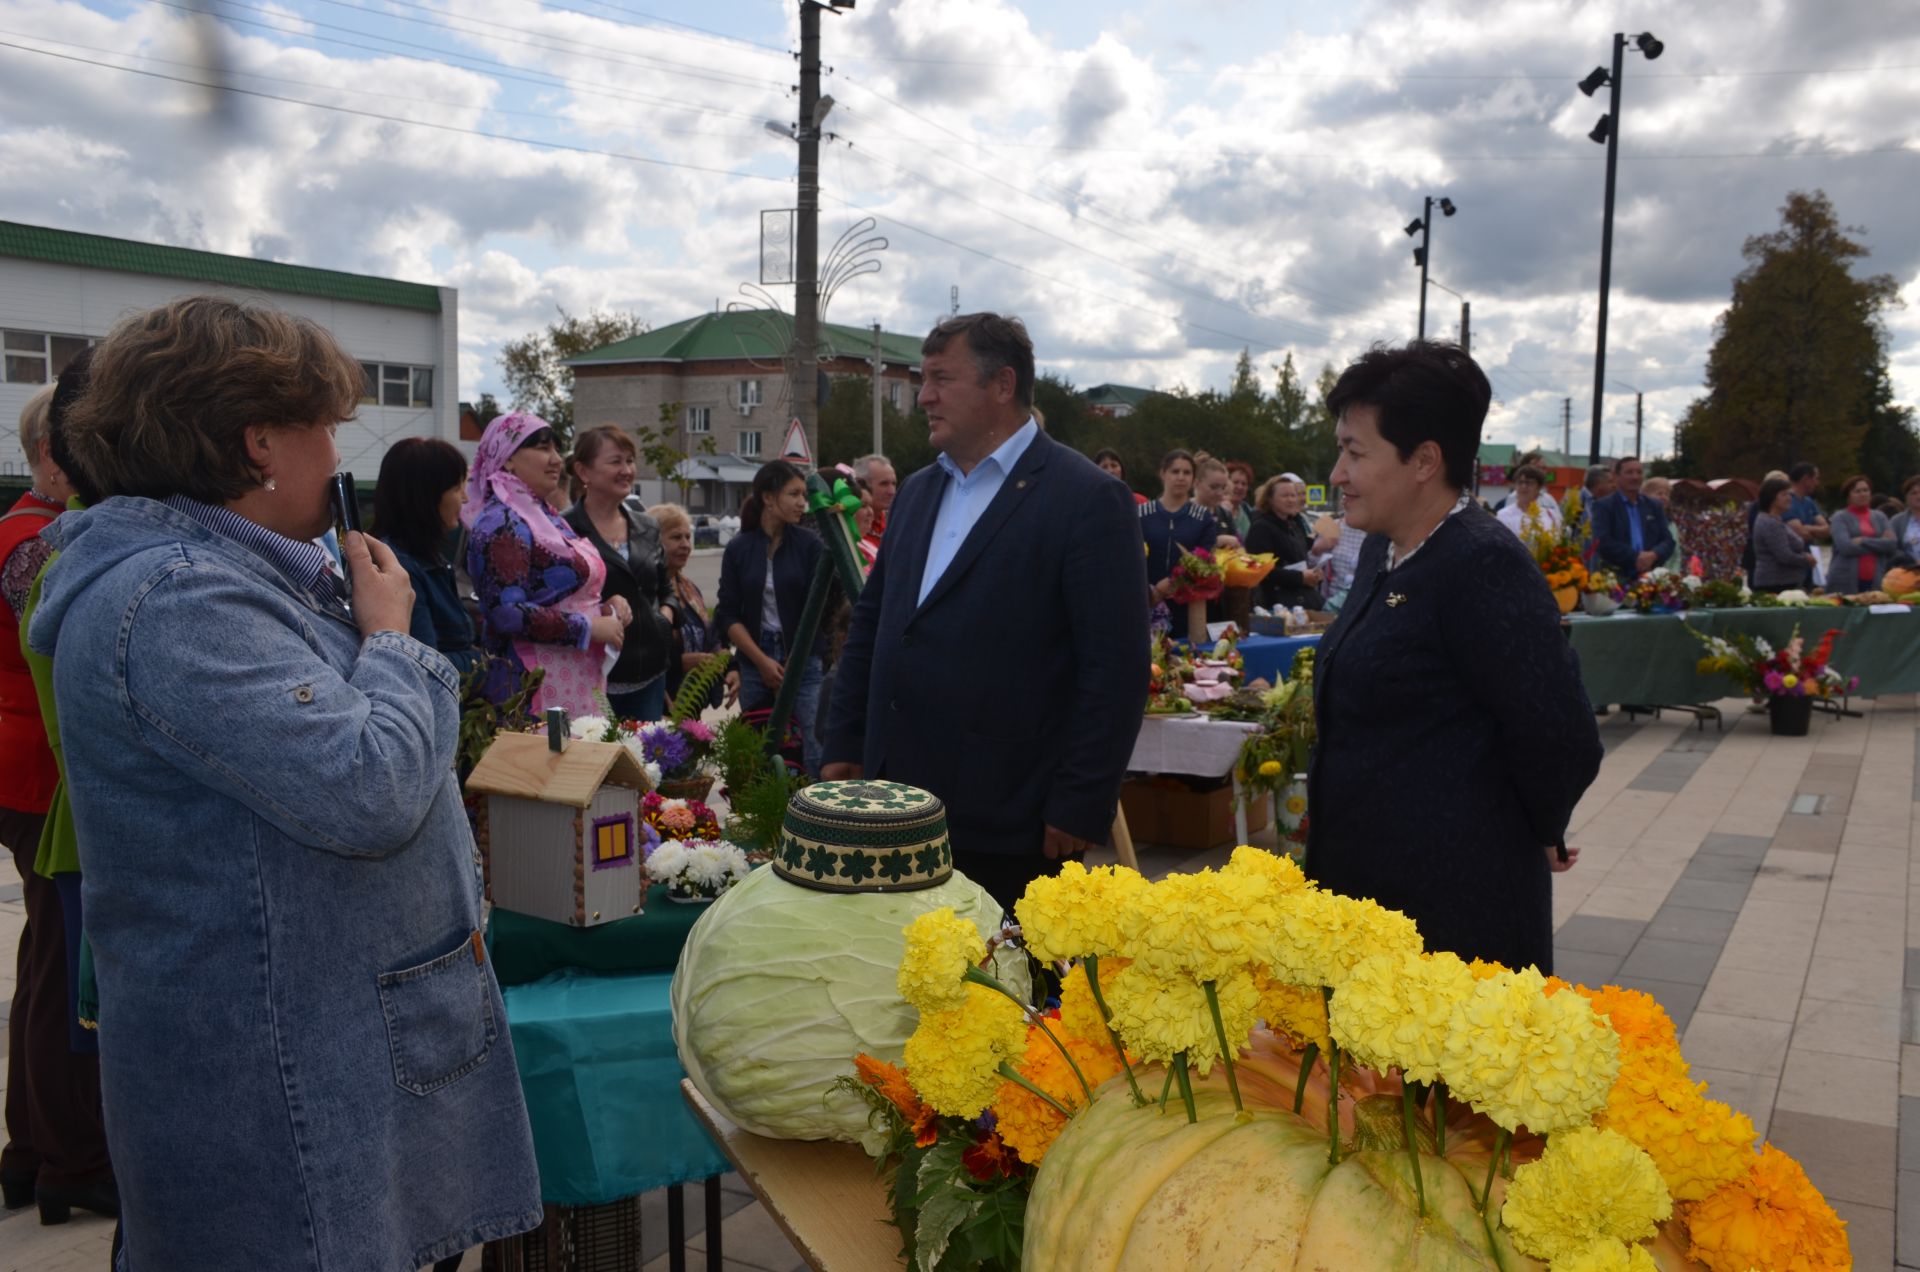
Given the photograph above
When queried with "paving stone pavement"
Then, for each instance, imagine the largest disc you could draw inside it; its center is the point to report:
(1760, 887)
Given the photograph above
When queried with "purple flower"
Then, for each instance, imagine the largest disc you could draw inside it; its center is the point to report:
(666, 746)
(1772, 682)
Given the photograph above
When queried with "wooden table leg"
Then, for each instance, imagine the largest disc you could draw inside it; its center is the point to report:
(1123, 840)
(714, 1260)
(676, 1228)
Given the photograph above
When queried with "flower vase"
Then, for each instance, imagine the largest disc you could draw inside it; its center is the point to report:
(684, 895)
(1790, 715)
(1290, 807)
(1197, 623)
(688, 788)
(1566, 598)
(1598, 604)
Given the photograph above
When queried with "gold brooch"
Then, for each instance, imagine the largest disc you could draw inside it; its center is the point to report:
(1394, 599)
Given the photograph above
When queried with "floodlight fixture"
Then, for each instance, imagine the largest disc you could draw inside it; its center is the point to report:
(1595, 81)
(1415, 226)
(1602, 130)
(1420, 256)
(821, 109)
(1447, 208)
(1648, 45)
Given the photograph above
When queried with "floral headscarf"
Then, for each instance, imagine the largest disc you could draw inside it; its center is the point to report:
(491, 480)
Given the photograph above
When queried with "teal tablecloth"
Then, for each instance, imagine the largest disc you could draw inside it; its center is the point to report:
(602, 1083)
(525, 949)
(1650, 658)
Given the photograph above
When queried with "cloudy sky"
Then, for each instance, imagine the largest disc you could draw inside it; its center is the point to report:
(1152, 184)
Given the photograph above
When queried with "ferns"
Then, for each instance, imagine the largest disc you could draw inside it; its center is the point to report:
(698, 687)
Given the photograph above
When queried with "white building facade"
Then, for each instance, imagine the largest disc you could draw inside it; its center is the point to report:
(61, 291)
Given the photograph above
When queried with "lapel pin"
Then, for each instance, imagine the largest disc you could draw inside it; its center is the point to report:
(1021, 484)
(1394, 599)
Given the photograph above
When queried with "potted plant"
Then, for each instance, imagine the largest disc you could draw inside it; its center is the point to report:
(1787, 680)
(1601, 594)
(1566, 573)
(696, 871)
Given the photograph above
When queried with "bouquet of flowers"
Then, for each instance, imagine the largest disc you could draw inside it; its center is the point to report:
(1662, 591)
(1197, 577)
(1243, 569)
(697, 869)
(1604, 581)
(1271, 759)
(1724, 594)
(1753, 664)
(684, 819)
(678, 748)
(1560, 562)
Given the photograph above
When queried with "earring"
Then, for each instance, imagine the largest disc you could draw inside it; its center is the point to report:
(271, 484)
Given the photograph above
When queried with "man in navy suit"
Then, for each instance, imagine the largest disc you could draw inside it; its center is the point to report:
(998, 654)
(1630, 530)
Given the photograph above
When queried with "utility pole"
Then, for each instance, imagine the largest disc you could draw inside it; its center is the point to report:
(1566, 431)
(1606, 241)
(1639, 418)
(878, 366)
(803, 384)
(1466, 338)
(1426, 240)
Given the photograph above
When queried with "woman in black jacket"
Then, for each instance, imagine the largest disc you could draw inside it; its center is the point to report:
(1455, 736)
(602, 468)
(1280, 528)
(764, 576)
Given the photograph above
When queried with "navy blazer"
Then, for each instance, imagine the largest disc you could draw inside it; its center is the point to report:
(1613, 537)
(743, 582)
(1014, 735)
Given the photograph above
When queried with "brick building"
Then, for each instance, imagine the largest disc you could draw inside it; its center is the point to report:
(724, 378)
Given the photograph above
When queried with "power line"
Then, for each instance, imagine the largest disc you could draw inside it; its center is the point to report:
(1375, 76)
(715, 37)
(396, 119)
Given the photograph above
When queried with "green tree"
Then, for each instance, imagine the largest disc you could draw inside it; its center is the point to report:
(487, 409)
(1890, 452)
(660, 448)
(1798, 356)
(1068, 420)
(846, 428)
(534, 369)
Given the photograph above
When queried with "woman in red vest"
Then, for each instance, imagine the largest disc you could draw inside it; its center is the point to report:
(56, 1151)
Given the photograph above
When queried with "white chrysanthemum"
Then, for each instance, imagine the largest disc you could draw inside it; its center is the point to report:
(589, 728)
(667, 862)
(707, 866)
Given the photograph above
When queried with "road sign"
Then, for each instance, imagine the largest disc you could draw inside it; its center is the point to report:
(795, 447)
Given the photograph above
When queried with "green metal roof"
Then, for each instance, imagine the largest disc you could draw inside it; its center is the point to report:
(1115, 395)
(751, 333)
(96, 251)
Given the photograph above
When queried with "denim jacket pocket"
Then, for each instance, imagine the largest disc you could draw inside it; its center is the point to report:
(440, 1020)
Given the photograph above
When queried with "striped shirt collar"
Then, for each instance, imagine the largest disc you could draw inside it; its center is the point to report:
(307, 565)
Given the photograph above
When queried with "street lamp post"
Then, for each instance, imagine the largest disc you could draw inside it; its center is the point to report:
(1639, 413)
(1607, 133)
(1423, 226)
(1466, 313)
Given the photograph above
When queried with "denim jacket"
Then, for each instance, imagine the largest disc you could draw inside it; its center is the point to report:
(304, 1053)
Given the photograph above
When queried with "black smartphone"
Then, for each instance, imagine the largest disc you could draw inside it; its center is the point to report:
(346, 516)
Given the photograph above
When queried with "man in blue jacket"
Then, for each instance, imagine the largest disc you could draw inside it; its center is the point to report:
(1630, 530)
(998, 654)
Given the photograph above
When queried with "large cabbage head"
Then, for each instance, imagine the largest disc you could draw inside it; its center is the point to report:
(780, 986)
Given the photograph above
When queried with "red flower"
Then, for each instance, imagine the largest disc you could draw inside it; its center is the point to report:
(989, 1158)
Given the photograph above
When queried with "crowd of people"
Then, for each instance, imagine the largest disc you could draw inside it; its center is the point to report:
(1623, 519)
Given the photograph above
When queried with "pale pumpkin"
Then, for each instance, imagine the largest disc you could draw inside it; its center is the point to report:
(1126, 1188)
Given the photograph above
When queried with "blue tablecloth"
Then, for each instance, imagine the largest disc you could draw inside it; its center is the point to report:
(602, 1083)
(1269, 657)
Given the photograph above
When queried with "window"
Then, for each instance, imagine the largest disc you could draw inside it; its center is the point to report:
(699, 419)
(750, 442)
(612, 841)
(33, 357)
(894, 393)
(395, 384)
(749, 393)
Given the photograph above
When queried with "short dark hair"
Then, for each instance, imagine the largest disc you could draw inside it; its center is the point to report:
(1906, 487)
(174, 390)
(1177, 453)
(1596, 473)
(1106, 453)
(1846, 487)
(1623, 461)
(1425, 391)
(415, 473)
(1528, 472)
(1802, 470)
(587, 447)
(72, 382)
(774, 476)
(1769, 491)
(996, 341)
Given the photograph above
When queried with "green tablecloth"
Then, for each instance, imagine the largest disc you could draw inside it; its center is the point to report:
(524, 948)
(602, 1082)
(1650, 658)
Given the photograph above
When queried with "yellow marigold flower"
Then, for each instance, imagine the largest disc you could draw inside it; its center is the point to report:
(1526, 1059)
(1269, 768)
(1282, 872)
(1606, 1255)
(1321, 935)
(940, 949)
(1079, 1013)
(1698, 1144)
(1483, 970)
(1207, 925)
(953, 1058)
(1589, 1185)
(1771, 1218)
(1077, 911)
(1298, 1011)
(1025, 1121)
(1396, 1011)
(1160, 1016)
(1636, 1016)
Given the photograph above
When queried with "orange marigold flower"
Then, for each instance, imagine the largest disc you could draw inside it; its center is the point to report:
(1028, 1123)
(1636, 1016)
(889, 1080)
(1771, 1218)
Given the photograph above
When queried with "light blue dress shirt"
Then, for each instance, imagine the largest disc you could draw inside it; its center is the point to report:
(966, 499)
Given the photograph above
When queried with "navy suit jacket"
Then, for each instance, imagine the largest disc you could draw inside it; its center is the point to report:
(1020, 726)
(1613, 537)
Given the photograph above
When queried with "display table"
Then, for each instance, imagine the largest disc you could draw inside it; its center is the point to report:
(1196, 746)
(1268, 657)
(601, 1077)
(1651, 658)
(524, 948)
(825, 1196)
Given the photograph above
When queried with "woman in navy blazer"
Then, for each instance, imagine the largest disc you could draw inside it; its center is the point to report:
(772, 557)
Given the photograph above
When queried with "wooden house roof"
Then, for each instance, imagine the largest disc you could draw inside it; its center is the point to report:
(520, 764)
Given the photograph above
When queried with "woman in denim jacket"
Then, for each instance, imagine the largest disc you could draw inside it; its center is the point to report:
(304, 1055)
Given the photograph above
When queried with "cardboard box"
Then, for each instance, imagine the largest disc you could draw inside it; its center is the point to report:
(1170, 811)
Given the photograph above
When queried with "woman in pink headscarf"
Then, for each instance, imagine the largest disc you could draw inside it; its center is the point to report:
(539, 582)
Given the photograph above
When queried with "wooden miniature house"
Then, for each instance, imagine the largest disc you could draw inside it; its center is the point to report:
(559, 831)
